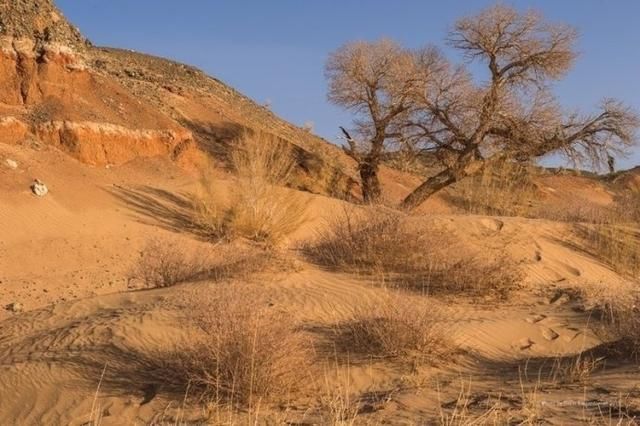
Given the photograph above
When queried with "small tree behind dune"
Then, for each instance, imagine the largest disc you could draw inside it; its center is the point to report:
(370, 79)
(416, 99)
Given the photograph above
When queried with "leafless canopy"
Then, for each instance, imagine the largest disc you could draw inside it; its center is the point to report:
(370, 80)
(418, 99)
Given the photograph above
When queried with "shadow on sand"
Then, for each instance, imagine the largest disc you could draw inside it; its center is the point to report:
(158, 207)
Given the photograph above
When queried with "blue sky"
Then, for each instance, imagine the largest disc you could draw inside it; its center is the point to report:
(274, 51)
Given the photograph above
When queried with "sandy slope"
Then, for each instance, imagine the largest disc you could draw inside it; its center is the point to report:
(81, 337)
(65, 257)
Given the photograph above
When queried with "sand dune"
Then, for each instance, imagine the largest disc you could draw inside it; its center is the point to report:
(65, 258)
(123, 142)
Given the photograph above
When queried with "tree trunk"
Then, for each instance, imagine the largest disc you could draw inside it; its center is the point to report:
(428, 188)
(468, 164)
(370, 183)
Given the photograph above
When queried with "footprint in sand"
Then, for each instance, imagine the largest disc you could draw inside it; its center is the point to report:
(549, 333)
(560, 298)
(570, 269)
(524, 343)
(493, 224)
(535, 318)
(571, 335)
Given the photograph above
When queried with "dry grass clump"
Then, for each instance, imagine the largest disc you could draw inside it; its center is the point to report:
(504, 188)
(367, 241)
(246, 350)
(163, 264)
(262, 211)
(617, 246)
(463, 272)
(259, 208)
(615, 310)
(337, 404)
(393, 326)
(380, 243)
(210, 206)
(620, 315)
(576, 369)
(167, 262)
(576, 210)
(464, 411)
(628, 205)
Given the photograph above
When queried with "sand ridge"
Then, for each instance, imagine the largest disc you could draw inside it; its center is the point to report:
(66, 259)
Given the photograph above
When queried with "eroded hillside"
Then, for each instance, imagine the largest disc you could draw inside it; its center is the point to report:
(107, 106)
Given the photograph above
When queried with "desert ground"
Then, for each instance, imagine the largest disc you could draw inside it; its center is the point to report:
(195, 259)
(86, 342)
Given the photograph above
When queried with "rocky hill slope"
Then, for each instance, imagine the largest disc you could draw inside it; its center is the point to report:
(40, 21)
(107, 106)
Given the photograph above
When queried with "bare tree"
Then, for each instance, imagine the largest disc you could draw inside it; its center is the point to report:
(370, 79)
(511, 116)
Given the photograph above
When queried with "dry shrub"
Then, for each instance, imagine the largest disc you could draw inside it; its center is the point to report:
(615, 245)
(463, 272)
(628, 206)
(367, 241)
(428, 260)
(393, 326)
(259, 209)
(263, 158)
(576, 210)
(167, 262)
(615, 310)
(504, 188)
(210, 210)
(162, 263)
(624, 325)
(576, 369)
(338, 405)
(463, 410)
(620, 315)
(246, 351)
(268, 216)
(262, 209)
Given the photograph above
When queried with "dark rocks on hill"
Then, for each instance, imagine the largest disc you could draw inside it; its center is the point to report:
(39, 20)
